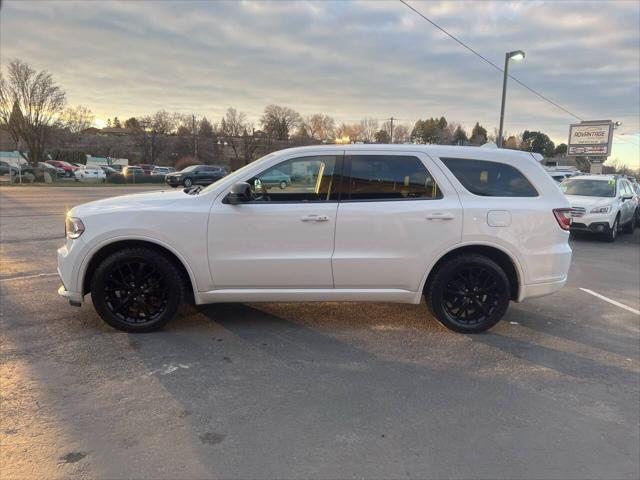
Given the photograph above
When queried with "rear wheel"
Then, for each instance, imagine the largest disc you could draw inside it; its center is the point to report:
(137, 290)
(283, 185)
(469, 294)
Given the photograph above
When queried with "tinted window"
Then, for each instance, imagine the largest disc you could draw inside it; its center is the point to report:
(490, 179)
(305, 179)
(390, 177)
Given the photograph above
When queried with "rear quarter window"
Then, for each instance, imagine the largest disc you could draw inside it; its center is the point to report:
(490, 179)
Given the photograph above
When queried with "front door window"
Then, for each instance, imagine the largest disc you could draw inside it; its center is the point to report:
(306, 179)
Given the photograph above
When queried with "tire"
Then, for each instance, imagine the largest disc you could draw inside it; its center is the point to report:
(612, 234)
(139, 306)
(469, 311)
(630, 226)
(283, 185)
(187, 182)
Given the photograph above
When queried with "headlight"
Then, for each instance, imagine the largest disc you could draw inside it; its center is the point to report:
(606, 209)
(73, 227)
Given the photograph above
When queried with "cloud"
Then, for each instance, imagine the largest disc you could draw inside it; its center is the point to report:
(348, 59)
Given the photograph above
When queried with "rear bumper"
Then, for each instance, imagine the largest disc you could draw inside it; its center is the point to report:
(540, 289)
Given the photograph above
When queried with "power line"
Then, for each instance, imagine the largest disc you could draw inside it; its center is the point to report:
(535, 92)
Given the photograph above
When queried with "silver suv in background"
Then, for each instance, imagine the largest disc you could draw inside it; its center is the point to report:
(601, 204)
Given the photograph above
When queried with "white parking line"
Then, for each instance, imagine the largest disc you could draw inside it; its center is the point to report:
(613, 302)
(25, 277)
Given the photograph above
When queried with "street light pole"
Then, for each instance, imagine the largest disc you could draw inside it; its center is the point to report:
(516, 55)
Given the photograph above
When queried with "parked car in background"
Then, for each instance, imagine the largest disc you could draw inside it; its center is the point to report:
(275, 178)
(559, 176)
(162, 170)
(131, 172)
(147, 167)
(601, 204)
(66, 166)
(470, 229)
(110, 172)
(117, 167)
(635, 186)
(7, 168)
(55, 172)
(195, 175)
(90, 174)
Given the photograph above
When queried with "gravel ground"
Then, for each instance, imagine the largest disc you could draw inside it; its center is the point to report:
(331, 390)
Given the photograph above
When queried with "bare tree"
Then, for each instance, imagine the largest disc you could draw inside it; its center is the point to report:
(401, 134)
(152, 133)
(369, 129)
(232, 126)
(278, 121)
(77, 118)
(319, 126)
(351, 131)
(35, 101)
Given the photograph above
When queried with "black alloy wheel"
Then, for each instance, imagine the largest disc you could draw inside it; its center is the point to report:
(187, 182)
(469, 294)
(137, 290)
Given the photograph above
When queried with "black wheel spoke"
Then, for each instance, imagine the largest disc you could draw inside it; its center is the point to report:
(136, 292)
(471, 294)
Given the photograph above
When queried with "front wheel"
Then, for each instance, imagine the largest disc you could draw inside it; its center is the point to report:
(283, 185)
(137, 290)
(187, 182)
(469, 294)
(611, 235)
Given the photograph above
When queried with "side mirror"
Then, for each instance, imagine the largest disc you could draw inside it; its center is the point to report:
(627, 196)
(239, 193)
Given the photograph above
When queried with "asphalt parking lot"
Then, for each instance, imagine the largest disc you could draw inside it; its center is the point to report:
(315, 390)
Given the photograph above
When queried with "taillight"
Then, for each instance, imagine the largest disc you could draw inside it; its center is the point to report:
(563, 216)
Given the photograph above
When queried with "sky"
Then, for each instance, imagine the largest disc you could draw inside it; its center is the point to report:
(349, 59)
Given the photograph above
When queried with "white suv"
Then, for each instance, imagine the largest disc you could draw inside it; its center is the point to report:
(468, 228)
(601, 204)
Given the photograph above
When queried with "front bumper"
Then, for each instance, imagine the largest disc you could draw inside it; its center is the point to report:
(68, 272)
(75, 298)
(594, 227)
(593, 222)
(173, 181)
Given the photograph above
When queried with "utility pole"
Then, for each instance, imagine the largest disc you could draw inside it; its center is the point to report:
(391, 130)
(195, 137)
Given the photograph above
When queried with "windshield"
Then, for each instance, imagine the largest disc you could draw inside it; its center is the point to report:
(189, 168)
(237, 173)
(589, 188)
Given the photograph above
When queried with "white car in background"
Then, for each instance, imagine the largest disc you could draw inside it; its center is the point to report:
(470, 229)
(90, 174)
(601, 204)
(162, 170)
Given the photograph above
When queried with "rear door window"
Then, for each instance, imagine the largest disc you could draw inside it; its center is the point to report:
(389, 177)
(490, 179)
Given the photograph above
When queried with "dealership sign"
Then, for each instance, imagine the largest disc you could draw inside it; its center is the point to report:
(590, 139)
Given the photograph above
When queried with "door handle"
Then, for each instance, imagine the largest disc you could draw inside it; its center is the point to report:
(440, 216)
(314, 218)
